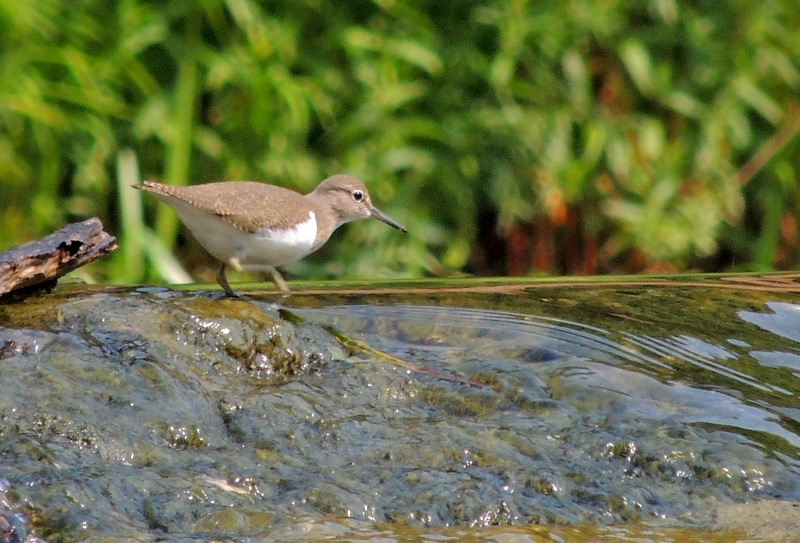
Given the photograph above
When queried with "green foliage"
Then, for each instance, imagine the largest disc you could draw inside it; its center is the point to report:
(468, 120)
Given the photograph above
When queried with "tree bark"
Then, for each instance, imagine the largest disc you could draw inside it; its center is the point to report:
(38, 264)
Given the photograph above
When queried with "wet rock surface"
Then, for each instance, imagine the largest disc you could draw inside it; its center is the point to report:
(135, 413)
(116, 406)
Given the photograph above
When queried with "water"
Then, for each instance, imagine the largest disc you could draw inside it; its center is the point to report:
(590, 410)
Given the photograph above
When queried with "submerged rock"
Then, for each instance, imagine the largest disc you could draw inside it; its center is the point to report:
(130, 414)
(103, 392)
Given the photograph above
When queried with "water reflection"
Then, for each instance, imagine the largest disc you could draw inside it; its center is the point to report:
(784, 320)
(638, 376)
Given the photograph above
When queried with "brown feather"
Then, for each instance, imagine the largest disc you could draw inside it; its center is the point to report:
(247, 205)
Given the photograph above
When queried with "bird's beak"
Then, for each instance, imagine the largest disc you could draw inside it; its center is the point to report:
(381, 216)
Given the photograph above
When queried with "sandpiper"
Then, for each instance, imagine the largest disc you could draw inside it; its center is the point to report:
(253, 226)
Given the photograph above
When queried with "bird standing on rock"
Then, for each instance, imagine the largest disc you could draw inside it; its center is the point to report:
(253, 226)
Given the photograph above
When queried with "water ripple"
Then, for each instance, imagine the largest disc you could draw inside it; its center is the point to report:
(696, 380)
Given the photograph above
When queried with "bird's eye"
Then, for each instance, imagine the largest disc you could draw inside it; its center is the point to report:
(358, 195)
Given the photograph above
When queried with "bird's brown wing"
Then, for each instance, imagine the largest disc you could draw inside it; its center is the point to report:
(247, 205)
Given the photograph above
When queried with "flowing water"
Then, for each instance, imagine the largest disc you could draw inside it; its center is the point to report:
(636, 409)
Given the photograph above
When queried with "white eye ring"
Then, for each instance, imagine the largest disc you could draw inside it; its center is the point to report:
(358, 195)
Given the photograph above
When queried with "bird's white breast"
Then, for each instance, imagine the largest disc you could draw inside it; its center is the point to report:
(281, 247)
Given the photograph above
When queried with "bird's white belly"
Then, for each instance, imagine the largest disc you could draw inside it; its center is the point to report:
(255, 251)
(279, 247)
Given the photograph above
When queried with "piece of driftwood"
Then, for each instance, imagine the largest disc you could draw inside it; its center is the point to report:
(40, 263)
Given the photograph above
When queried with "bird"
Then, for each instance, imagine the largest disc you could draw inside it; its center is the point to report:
(253, 226)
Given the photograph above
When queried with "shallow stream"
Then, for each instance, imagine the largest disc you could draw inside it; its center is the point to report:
(636, 408)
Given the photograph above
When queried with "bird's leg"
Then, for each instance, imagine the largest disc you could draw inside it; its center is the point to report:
(277, 278)
(223, 282)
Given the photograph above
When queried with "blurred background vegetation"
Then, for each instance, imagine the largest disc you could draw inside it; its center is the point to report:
(510, 137)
